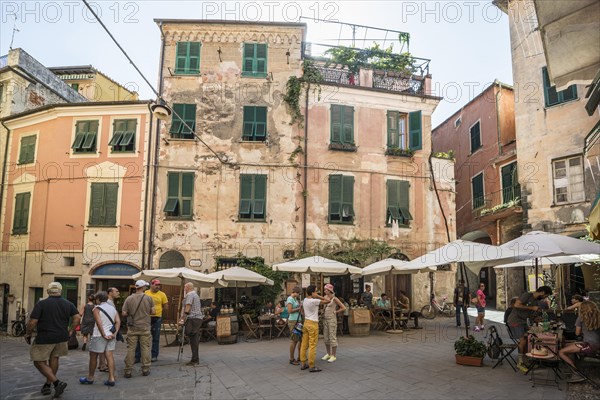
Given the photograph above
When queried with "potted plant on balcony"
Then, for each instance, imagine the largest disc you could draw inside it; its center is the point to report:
(469, 351)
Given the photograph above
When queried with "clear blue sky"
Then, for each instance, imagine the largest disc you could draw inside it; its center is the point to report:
(467, 41)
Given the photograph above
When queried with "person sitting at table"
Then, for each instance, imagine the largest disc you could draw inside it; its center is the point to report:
(509, 309)
(588, 325)
(404, 304)
(383, 301)
(267, 308)
(282, 313)
(525, 307)
(576, 301)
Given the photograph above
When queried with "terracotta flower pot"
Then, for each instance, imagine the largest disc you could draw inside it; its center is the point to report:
(468, 360)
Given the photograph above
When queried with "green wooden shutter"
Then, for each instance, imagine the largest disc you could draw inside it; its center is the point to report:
(181, 57)
(403, 192)
(336, 123)
(335, 197)
(21, 215)
(260, 122)
(260, 59)
(189, 116)
(475, 133)
(246, 183)
(247, 66)
(347, 198)
(248, 123)
(415, 130)
(96, 204)
(111, 193)
(393, 131)
(260, 196)
(509, 182)
(194, 58)
(550, 94)
(477, 188)
(187, 194)
(172, 192)
(176, 122)
(27, 149)
(348, 124)
(393, 201)
(569, 93)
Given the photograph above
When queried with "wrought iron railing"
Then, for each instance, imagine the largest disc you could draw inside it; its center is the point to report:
(397, 83)
(491, 203)
(338, 75)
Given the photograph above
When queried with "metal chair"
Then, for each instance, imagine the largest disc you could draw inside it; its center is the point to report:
(506, 349)
(252, 327)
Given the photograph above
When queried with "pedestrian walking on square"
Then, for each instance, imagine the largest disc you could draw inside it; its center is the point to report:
(480, 308)
(192, 317)
(137, 309)
(330, 324)
(310, 331)
(293, 306)
(461, 302)
(87, 320)
(367, 297)
(51, 318)
(103, 340)
(160, 301)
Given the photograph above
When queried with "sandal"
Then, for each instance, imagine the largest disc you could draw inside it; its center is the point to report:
(85, 381)
(109, 383)
(103, 369)
(315, 369)
(46, 389)
(302, 368)
(294, 362)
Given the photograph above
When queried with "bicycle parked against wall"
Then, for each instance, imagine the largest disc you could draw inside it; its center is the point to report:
(433, 308)
(18, 326)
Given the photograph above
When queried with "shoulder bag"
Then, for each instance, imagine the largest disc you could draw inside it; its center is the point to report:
(130, 317)
(297, 330)
(113, 328)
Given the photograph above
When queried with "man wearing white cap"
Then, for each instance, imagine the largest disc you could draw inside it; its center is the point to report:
(51, 317)
(137, 309)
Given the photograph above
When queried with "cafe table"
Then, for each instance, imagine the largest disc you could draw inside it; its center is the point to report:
(543, 347)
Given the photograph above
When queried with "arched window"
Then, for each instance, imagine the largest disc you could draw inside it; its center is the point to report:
(171, 259)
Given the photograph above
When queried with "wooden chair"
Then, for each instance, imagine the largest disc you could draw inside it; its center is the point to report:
(264, 323)
(209, 333)
(281, 329)
(252, 327)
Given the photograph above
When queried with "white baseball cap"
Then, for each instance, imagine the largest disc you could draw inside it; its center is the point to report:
(141, 283)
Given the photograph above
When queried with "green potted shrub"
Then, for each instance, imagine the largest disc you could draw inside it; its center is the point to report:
(469, 351)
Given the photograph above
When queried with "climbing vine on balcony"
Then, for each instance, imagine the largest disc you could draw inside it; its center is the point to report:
(372, 57)
(295, 86)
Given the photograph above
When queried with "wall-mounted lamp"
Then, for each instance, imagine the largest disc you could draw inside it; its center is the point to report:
(161, 110)
(288, 54)
(270, 77)
(219, 51)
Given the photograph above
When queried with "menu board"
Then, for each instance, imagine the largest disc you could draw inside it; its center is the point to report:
(223, 326)
(361, 316)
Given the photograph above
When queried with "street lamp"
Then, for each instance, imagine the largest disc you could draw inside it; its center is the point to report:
(161, 110)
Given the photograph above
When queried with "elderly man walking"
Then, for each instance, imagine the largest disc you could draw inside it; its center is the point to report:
(192, 317)
(137, 309)
(51, 318)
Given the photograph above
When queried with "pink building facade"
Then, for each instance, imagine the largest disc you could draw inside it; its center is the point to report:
(73, 200)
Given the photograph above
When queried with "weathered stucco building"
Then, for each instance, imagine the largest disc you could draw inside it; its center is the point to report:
(75, 190)
(253, 182)
(95, 85)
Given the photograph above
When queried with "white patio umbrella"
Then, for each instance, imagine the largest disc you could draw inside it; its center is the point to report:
(581, 258)
(391, 267)
(537, 244)
(240, 277)
(317, 265)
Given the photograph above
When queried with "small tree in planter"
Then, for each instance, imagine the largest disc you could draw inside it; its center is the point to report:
(469, 351)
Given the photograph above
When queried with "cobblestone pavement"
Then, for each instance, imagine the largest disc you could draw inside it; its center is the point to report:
(416, 364)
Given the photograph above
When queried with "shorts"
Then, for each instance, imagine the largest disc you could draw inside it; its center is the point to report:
(291, 324)
(43, 352)
(586, 348)
(100, 345)
(518, 331)
(480, 310)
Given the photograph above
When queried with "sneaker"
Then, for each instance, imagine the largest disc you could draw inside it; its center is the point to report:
(523, 368)
(476, 329)
(332, 359)
(193, 363)
(326, 357)
(154, 359)
(145, 373)
(127, 375)
(47, 389)
(59, 388)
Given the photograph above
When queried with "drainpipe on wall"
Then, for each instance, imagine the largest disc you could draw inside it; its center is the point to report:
(437, 195)
(149, 159)
(305, 172)
(498, 128)
(4, 167)
(155, 160)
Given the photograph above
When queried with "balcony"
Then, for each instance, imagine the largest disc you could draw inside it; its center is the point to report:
(412, 79)
(498, 205)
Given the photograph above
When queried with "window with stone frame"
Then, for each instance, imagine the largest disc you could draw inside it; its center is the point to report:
(568, 180)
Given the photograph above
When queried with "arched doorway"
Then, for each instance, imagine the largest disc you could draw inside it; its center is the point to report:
(171, 259)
